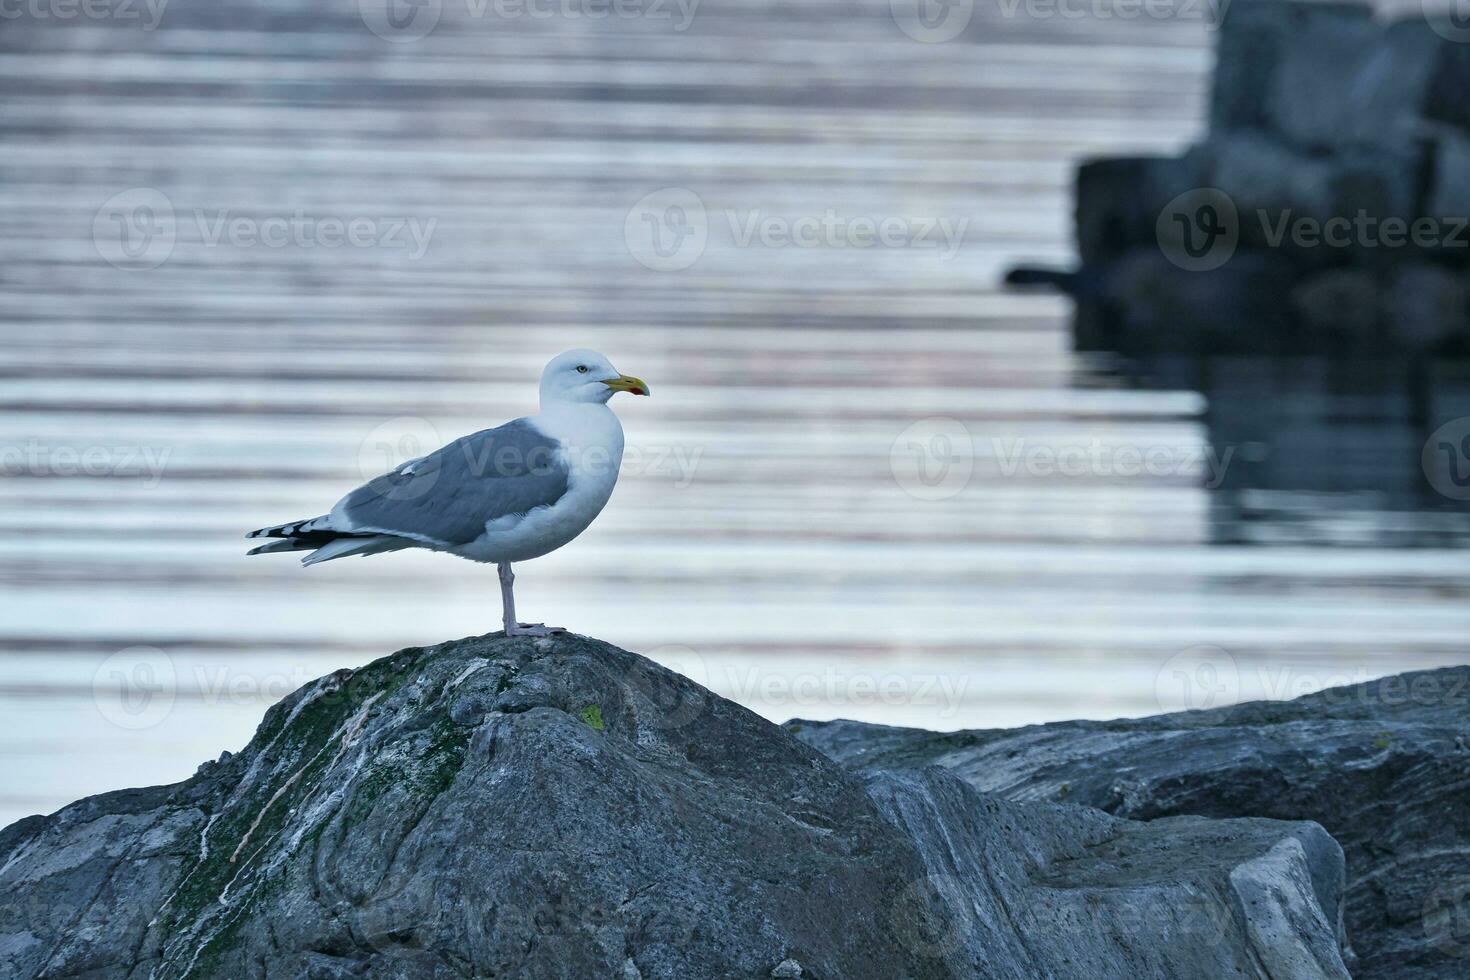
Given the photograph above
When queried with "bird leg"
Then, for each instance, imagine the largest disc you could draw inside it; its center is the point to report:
(508, 608)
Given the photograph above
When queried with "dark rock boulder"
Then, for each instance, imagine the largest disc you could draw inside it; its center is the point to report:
(1337, 141)
(1383, 766)
(502, 807)
(1256, 38)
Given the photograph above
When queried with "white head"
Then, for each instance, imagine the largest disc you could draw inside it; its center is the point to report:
(583, 375)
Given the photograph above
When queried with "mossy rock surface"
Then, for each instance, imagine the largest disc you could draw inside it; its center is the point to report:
(497, 807)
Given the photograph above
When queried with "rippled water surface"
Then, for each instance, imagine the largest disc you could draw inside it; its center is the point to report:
(869, 484)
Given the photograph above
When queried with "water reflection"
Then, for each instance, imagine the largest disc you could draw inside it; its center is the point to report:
(771, 541)
(1332, 451)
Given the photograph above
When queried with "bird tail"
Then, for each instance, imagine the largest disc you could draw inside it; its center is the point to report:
(322, 540)
(314, 527)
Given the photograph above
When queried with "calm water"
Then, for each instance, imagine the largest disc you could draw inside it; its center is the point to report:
(856, 490)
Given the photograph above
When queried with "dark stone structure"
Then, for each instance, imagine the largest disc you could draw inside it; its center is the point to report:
(1383, 766)
(1327, 211)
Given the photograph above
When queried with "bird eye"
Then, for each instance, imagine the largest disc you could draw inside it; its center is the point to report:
(581, 369)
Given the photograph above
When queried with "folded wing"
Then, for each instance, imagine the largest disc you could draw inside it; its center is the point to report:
(443, 500)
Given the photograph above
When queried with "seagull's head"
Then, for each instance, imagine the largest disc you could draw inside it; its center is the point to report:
(583, 375)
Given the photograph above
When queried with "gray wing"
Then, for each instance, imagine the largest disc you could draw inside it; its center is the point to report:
(447, 497)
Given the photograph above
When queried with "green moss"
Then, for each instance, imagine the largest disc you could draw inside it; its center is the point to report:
(290, 774)
(416, 779)
(592, 715)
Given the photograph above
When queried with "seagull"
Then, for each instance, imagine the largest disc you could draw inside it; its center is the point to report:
(502, 495)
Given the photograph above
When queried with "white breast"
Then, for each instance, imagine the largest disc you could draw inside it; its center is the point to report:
(592, 449)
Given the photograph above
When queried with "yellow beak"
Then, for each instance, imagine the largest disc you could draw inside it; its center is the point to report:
(626, 382)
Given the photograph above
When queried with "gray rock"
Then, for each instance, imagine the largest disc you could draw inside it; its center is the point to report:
(1428, 307)
(1382, 766)
(1255, 38)
(1450, 79)
(1119, 200)
(1158, 306)
(1347, 82)
(563, 808)
(1273, 186)
(1449, 193)
(1339, 307)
